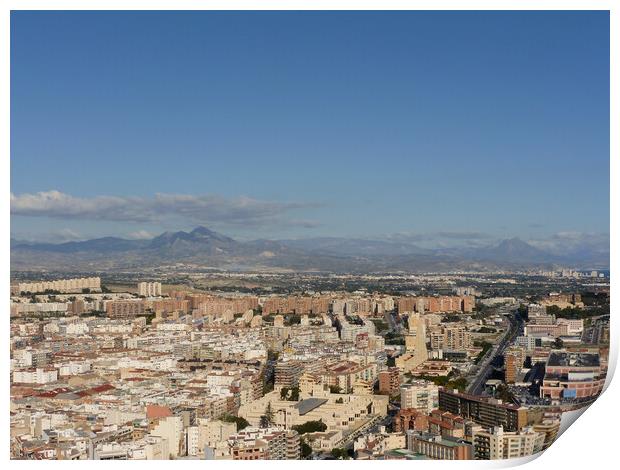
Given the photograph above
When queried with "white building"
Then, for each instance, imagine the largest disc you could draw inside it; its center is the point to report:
(497, 444)
(149, 289)
(62, 285)
(35, 376)
(208, 434)
(526, 342)
(74, 368)
(420, 395)
(171, 428)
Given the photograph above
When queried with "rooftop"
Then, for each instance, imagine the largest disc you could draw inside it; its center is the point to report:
(309, 404)
(570, 359)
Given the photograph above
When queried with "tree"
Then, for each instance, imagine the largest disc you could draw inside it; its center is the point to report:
(558, 343)
(503, 393)
(267, 419)
(306, 450)
(294, 394)
(459, 384)
(522, 312)
(283, 393)
(335, 389)
(310, 426)
(264, 422)
(241, 423)
(339, 453)
(394, 339)
(292, 319)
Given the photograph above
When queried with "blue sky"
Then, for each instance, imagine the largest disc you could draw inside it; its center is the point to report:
(282, 125)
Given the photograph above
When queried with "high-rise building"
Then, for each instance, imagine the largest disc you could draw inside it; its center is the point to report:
(485, 411)
(149, 289)
(77, 285)
(171, 428)
(514, 357)
(389, 381)
(124, 308)
(288, 373)
(420, 395)
(511, 369)
(416, 351)
(457, 338)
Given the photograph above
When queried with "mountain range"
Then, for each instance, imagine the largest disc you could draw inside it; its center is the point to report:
(206, 248)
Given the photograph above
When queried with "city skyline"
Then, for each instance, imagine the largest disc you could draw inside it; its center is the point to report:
(280, 132)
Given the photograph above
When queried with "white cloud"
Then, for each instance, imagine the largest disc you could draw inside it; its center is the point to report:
(563, 243)
(53, 236)
(140, 235)
(200, 209)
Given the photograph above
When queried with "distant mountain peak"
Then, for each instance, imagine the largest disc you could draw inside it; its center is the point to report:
(514, 250)
(198, 237)
(202, 230)
(514, 242)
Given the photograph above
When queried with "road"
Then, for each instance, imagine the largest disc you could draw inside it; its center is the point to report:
(486, 365)
(373, 423)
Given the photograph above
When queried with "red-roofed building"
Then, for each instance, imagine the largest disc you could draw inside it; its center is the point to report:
(157, 412)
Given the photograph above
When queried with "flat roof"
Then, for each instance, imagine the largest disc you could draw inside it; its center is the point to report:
(407, 454)
(573, 359)
(309, 404)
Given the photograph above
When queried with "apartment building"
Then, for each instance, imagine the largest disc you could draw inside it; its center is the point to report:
(420, 395)
(39, 375)
(272, 443)
(484, 411)
(171, 428)
(389, 381)
(437, 447)
(149, 289)
(495, 443)
(346, 374)
(76, 285)
(514, 357)
(288, 373)
(125, 308)
(444, 303)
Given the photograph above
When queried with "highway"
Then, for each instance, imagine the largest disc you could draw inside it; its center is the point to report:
(372, 424)
(486, 365)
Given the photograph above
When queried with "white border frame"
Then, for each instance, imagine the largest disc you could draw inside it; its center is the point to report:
(590, 443)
